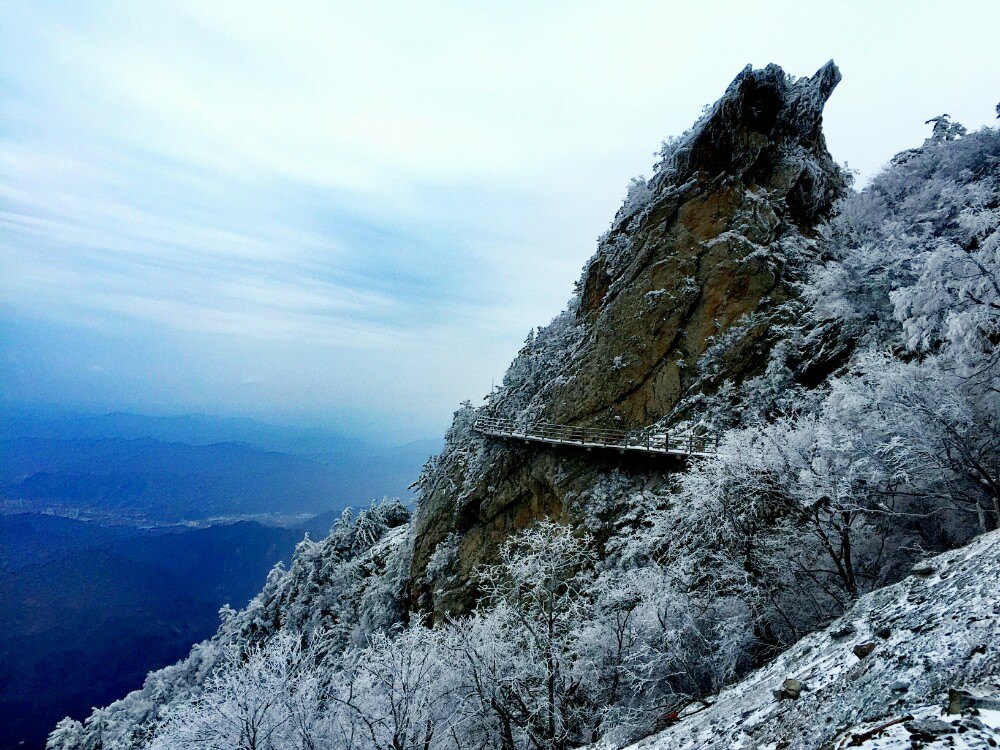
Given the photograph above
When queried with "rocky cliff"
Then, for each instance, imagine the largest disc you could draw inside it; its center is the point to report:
(683, 294)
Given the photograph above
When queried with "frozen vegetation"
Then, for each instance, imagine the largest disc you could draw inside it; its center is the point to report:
(889, 662)
(833, 569)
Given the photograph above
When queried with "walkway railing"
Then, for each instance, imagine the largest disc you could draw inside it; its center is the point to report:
(672, 443)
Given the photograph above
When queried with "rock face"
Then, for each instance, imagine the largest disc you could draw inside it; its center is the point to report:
(708, 246)
(682, 295)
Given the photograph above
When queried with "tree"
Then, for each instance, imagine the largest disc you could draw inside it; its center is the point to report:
(262, 698)
(649, 647)
(937, 428)
(540, 590)
(66, 736)
(393, 694)
(792, 516)
(945, 129)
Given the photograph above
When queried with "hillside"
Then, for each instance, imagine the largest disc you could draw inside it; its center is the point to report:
(843, 349)
(898, 652)
(89, 609)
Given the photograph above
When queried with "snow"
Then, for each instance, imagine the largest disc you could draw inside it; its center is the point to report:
(942, 631)
(963, 732)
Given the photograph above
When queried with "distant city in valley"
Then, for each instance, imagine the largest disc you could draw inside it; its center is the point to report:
(122, 535)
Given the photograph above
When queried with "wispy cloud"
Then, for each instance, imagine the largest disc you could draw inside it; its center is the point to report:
(365, 205)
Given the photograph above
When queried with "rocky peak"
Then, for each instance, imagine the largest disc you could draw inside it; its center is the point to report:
(696, 266)
(767, 130)
(707, 242)
(761, 110)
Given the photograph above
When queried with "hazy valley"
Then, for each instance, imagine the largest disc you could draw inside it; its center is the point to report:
(119, 542)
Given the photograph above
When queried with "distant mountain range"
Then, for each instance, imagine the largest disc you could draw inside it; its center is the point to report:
(192, 429)
(118, 543)
(104, 467)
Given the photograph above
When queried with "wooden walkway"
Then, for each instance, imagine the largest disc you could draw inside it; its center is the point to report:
(667, 443)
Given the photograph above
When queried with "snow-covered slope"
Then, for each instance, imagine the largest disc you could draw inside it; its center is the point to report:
(852, 369)
(935, 631)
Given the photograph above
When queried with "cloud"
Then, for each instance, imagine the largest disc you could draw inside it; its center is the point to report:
(365, 206)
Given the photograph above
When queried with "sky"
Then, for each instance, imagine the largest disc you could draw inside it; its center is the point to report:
(352, 214)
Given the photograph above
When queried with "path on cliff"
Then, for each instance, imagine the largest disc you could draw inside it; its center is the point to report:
(676, 443)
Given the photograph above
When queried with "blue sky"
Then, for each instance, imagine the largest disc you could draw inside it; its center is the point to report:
(351, 214)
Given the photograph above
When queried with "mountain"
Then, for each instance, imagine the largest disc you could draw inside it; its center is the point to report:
(688, 289)
(144, 478)
(89, 610)
(839, 351)
(190, 429)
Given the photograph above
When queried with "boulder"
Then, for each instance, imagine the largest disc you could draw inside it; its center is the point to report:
(928, 730)
(845, 630)
(790, 689)
(864, 649)
(961, 700)
(923, 570)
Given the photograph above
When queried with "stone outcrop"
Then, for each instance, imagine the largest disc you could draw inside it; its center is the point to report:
(734, 202)
(682, 294)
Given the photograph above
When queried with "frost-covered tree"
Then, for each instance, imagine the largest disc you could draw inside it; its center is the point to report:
(484, 659)
(538, 593)
(537, 367)
(67, 734)
(917, 272)
(800, 515)
(945, 129)
(916, 251)
(649, 647)
(936, 428)
(395, 694)
(953, 305)
(264, 698)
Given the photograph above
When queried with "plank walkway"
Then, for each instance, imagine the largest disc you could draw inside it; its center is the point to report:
(667, 443)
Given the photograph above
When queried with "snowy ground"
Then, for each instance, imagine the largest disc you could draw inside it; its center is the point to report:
(929, 728)
(936, 630)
